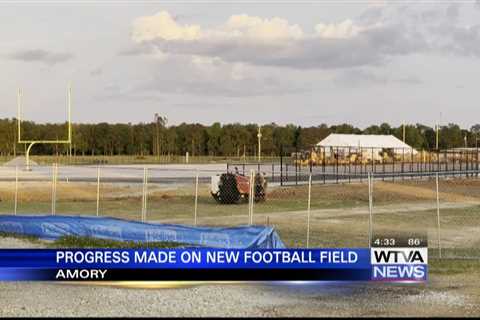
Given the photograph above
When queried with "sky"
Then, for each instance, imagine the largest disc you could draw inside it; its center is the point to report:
(300, 62)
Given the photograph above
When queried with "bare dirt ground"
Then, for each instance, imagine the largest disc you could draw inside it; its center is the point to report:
(443, 295)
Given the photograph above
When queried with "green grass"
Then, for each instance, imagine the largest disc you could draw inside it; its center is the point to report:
(19, 236)
(87, 242)
(148, 159)
(453, 266)
(181, 204)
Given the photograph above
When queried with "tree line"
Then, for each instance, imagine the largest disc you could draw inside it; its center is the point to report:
(235, 139)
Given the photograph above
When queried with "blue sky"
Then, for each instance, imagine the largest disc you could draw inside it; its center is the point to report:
(361, 62)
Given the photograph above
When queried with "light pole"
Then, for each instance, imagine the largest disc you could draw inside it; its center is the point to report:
(259, 136)
(157, 119)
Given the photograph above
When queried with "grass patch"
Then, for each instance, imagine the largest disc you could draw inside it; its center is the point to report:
(19, 236)
(125, 201)
(453, 266)
(87, 242)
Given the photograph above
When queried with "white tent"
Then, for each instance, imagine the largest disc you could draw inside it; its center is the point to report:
(369, 145)
(363, 141)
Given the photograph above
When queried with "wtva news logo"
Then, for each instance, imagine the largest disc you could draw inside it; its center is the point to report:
(399, 264)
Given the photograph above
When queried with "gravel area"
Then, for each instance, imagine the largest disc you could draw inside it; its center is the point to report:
(53, 299)
(14, 243)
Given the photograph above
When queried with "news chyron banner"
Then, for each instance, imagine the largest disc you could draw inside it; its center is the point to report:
(388, 259)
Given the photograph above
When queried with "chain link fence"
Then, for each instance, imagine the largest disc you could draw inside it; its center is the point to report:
(445, 205)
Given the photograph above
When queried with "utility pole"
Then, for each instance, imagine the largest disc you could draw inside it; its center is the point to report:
(259, 136)
(69, 102)
(157, 148)
(159, 121)
(438, 131)
(404, 133)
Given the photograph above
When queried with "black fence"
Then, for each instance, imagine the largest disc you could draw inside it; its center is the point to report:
(342, 164)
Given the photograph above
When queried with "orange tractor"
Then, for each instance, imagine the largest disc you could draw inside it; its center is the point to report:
(229, 188)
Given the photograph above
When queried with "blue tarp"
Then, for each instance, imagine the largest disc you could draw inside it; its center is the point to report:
(53, 227)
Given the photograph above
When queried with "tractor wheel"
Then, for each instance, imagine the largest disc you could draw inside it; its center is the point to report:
(260, 188)
(228, 190)
(216, 197)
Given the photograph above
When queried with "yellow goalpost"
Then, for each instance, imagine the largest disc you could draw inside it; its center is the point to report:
(31, 143)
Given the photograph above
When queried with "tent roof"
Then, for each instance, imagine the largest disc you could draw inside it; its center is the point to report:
(363, 141)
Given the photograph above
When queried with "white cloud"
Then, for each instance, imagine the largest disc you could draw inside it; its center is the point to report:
(273, 41)
(345, 29)
(162, 26)
(262, 29)
(225, 59)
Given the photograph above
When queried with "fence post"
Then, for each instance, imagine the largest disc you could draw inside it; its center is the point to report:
(370, 208)
(323, 165)
(438, 219)
(144, 194)
(308, 208)
(54, 187)
(98, 190)
(349, 165)
(373, 162)
(196, 199)
(336, 164)
(16, 190)
(296, 165)
(273, 171)
(438, 160)
(475, 162)
(251, 196)
(281, 166)
(361, 164)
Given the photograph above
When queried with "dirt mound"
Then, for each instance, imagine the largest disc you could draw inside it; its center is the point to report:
(19, 162)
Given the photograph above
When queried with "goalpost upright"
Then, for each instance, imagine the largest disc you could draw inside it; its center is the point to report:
(31, 143)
